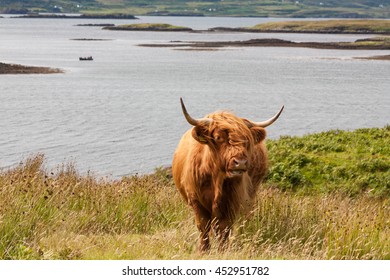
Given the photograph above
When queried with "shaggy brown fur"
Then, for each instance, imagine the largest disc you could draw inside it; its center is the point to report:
(218, 167)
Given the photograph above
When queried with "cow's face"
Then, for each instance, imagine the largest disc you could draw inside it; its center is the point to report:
(231, 140)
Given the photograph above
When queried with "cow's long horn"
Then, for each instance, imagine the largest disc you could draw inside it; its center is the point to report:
(269, 121)
(191, 120)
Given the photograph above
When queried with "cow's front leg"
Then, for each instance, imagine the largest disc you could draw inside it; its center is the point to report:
(203, 222)
(223, 230)
(222, 225)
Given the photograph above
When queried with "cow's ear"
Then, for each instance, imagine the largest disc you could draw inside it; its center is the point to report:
(200, 134)
(258, 133)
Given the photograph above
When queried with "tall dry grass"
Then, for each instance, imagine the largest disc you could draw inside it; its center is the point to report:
(64, 215)
(36, 204)
(329, 226)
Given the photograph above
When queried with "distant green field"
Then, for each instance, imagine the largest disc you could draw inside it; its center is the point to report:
(258, 8)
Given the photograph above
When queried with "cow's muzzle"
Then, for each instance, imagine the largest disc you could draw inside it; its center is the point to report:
(237, 167)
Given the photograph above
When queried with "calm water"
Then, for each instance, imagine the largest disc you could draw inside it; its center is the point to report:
(120, 114)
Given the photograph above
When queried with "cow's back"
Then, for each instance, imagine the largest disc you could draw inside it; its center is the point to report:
(259, 167)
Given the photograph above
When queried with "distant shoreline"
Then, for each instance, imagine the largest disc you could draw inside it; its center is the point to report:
(6, 68)
(82, 16)
(377, 57)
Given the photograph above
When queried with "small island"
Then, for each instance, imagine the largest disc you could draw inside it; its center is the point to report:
(320, 26)
(380, 27)
(148, 27)
(6, 68)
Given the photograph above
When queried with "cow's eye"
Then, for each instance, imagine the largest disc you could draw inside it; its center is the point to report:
(218, 138)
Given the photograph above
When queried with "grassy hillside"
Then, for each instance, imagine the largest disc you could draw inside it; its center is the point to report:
(327, 197)
(350, 163)
(263, 8)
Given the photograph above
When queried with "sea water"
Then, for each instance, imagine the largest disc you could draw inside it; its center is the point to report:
(120, 113)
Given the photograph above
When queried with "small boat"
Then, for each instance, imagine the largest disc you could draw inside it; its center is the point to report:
(85, 58)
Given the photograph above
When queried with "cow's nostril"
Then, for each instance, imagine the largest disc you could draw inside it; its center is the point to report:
(240, 163)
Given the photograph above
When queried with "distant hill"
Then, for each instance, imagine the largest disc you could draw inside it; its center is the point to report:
(258, 8)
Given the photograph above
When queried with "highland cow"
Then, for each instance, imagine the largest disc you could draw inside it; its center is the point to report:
(218, 167)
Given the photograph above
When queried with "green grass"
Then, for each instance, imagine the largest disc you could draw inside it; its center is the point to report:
(326, 197)
(335, 161)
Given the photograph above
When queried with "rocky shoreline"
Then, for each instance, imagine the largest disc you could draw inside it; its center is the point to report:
(377, 57)
(6, 68)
